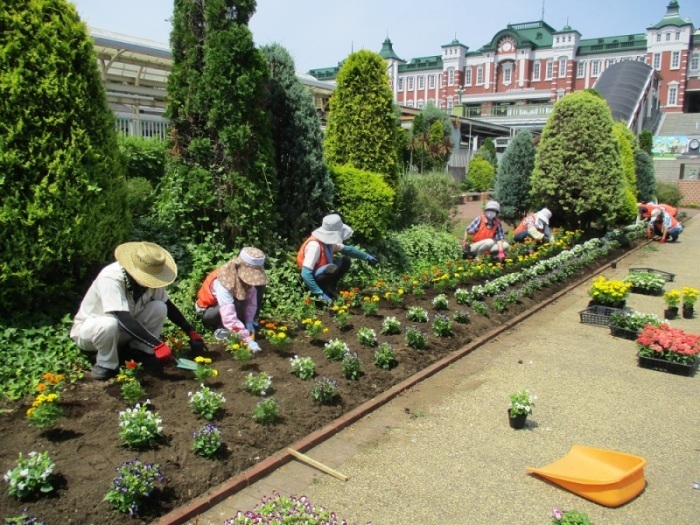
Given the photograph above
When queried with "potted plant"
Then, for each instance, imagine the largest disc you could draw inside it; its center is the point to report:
(521, 403)
(690, 297)
(647, 283)
(672, 299)
(629, 324)
(668, 349)
(609, 292)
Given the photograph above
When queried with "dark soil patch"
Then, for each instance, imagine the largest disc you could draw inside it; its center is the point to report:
(86, 446)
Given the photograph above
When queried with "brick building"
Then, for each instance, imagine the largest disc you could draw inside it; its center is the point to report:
(527, 67)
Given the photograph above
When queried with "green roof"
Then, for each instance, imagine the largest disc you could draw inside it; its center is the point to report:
(533, 34)
(454, 42)
(592, 46)
(387, 51)
(672, 17)
(422, 63)
(325, 73)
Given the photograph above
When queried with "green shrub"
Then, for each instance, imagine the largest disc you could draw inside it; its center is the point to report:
(365, 201)
(425, 199)
(144, 157)
(668, 193)
(480, 176)
(425, 245)
(140, 194)
(63, 205)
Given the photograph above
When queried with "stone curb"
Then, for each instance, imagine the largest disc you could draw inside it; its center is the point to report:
(282, 457)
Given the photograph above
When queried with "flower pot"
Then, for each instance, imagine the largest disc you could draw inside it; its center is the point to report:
(688, 312)
(517, 422)
(671, 312)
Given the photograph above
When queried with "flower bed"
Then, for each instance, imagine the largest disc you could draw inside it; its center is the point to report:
(85, 445)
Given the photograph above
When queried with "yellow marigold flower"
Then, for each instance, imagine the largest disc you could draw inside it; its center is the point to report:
(281, 335)
(237, 346)
(51, 398)
(306, 321)
(199, 359)
(366, 299)
(121, 377)
(387, 295)
(214, 372)
(283, 328)
(400, 291)
(30, 412)
(375, 298)
(325, 330)
(317, 322)
(415, 283)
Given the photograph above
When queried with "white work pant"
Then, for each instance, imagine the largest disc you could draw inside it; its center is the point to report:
(104, 335)
(479, 248)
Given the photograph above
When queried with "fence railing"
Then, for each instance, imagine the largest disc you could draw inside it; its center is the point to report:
(150, 127)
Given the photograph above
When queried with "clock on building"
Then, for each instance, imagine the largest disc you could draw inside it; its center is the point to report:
(506, 45)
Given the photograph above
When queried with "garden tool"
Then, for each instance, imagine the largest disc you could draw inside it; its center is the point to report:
(186, 364)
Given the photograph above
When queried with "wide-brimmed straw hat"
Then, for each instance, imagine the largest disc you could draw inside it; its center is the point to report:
(332, 230)
(149, 264)
(248, 267)
(544, 215)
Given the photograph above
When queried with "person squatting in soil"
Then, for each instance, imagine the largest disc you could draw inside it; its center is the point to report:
(127, 304)
(663, 225)
(485, 234)
(320, 271)
(231, 296)
(644, 210)
(535, 226)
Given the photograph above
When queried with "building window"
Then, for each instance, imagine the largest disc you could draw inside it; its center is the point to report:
(421, 82)
(550, 69)
(420, 103)
(451, 76)
(409, 104)
(468, 76)
(672, 95)
(536, 70)
(507, 73)
(449, 103)
(695, 61)
(568, 39)
(675, 59)
(562, 67)
(580, 69)
(431, 82)
(557, 40)
(678, 35)
(479, 75)
(595, 68)
(657, 61)
(668, 37)
(658, 37)
(400, 83)
(409, 85)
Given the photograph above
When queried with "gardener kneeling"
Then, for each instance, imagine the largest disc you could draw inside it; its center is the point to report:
(662, 224)
(127, 303)
(319, 270)
(535, 226)
(485, 234)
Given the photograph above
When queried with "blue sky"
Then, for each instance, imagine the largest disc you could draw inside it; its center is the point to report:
(320, 33)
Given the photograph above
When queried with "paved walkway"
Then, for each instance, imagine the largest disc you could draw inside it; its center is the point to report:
(443, 453)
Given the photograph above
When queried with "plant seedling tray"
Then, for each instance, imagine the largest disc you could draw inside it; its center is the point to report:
(666, 275)
(624, 333)
(667, 366)
(600, 315)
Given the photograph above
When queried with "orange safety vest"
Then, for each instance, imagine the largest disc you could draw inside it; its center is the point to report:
(205, 298)
(322, 261)
(666, 207)
(669, 209)
(660, 224)
(522, 226)
(483, 232)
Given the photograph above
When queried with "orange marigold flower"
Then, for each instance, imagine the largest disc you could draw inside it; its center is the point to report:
(41, 387)
(130, 365)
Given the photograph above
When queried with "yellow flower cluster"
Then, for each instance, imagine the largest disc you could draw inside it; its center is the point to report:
(374, 299)
(672, 297)
(202, 360)
(690, 296)
(609, 291)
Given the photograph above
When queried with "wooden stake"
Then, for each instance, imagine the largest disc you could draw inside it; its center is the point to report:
(320, 466)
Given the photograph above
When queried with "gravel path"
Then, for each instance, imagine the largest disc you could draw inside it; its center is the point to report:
(443, 453)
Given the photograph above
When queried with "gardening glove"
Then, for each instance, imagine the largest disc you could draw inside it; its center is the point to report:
(325, 298)
(163, 353)
(196, 343)
(372, 260)
(250, 326)
(253, 347)
(662, 241)
(501, 255)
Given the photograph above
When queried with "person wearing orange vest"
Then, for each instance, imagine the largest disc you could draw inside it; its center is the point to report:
(230, 297)
(644, 210)
(662, 224)
(485, 234)
(535, 226)
(319, 269)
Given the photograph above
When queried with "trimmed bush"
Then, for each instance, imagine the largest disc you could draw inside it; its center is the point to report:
(365, 202)
(425, 199)
(668, 193)
(480, 176)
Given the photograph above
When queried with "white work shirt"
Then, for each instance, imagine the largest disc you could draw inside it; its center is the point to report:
(312, 253)
(108, 293)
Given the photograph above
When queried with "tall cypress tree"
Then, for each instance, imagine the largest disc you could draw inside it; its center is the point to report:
(63, 191)
(578, 172)
(306, 190)
(512, 185)
(362, 124)
(627, 143)
(223, 177)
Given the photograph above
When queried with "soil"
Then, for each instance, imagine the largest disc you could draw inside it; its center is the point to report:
(86, 449)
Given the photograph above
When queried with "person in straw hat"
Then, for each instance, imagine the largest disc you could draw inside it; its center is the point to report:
(319, 269)
(127, 303)
(485, 234)
(535, 226)
(231, 295)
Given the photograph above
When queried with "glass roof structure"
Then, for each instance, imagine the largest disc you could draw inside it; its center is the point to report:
(624, 86)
